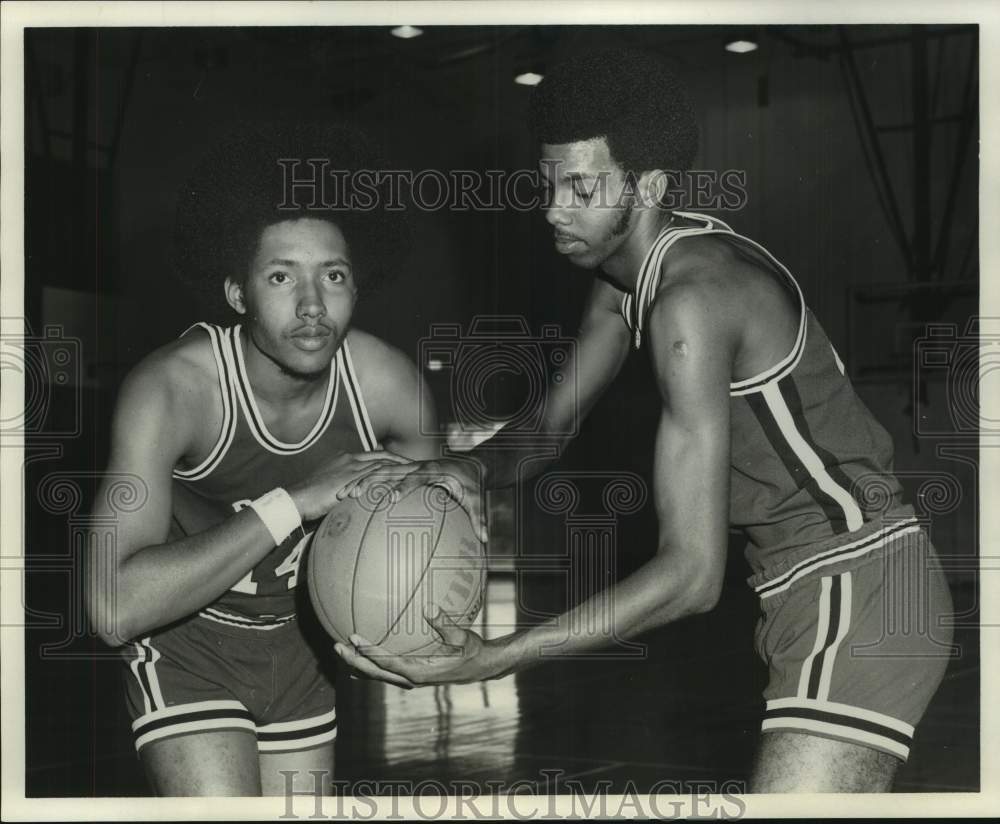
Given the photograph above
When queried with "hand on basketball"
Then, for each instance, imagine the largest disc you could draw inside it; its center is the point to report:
(319, 493)
(467, 658)
(459, 477)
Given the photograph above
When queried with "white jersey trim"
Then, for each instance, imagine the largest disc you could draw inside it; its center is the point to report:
(213, 613)
(785, 420)
(218, 338)
(635, 307)
(256, 421)
(353, 387)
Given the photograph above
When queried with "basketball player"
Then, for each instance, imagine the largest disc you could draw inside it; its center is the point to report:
(240, 438)
(759, 430)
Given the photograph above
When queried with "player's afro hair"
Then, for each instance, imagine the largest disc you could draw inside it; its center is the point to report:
(630, 98)
(239, 188)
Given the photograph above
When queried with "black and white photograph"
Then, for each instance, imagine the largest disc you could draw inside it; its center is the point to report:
(498, 410)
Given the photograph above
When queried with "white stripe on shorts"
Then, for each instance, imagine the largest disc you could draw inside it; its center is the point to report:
(845, 624)
(190, 718)
(842, 721)
(879, 742)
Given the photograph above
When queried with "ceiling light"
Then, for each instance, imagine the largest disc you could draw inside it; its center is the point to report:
(528, 79)
(406, 32)
(741, 40)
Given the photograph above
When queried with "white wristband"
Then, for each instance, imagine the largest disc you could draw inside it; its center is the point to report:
(278, 512)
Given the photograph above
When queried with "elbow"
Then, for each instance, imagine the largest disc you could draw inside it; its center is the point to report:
(113, 638)
(114, 633)
(704, 594)
(110, 625)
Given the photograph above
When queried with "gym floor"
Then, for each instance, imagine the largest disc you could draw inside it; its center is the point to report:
(688, 710)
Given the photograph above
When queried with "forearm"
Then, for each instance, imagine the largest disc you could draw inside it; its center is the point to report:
(163, 583)
(503, 465)
(658, 593)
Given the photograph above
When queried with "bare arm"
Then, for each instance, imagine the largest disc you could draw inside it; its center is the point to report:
(691, 484)
(402, 409)
(147, 582)
(692, 357)
(600, 349)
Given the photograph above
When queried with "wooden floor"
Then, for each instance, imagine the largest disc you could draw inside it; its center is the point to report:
(687, 710)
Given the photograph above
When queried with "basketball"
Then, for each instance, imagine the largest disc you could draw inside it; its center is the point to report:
(375, 567)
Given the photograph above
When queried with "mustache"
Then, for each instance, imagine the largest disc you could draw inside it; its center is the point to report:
(313, 330)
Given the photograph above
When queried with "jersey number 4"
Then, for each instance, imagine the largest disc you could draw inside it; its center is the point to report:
(275, 573)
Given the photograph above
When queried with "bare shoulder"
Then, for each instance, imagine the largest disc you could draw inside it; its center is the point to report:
(695, 322)
(694, 297)
(400, 410)
(741, 282)
(168, 406)
(383, 370)
(182, 375)
(711, 288)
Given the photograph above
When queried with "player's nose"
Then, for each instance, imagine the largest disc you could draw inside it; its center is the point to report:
(310, 303)
(556, 215)
(558, 211)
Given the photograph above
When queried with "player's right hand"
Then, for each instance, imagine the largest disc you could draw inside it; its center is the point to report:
(319, 493)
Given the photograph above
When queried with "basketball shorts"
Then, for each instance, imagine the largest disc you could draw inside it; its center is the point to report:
(856, 650)
(202, 676)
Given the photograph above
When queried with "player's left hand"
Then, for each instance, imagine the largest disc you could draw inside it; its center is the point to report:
(459, 476)
(468, 658)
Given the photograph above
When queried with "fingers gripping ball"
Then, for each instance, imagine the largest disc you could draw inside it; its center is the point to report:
(376, 567)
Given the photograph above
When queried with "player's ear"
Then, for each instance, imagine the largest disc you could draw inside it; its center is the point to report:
(652, 187)
(234, 296)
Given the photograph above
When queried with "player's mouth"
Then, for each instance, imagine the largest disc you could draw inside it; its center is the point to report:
(566, 244)
(311, 338)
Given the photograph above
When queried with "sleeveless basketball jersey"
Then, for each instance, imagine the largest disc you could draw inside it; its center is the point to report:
(248, 461)
(811, 478)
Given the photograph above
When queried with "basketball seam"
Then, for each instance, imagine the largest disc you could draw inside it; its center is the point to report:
(420, 580)
(319, 604)
(357, 565)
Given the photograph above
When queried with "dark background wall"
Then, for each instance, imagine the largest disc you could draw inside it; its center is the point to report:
(115, 118)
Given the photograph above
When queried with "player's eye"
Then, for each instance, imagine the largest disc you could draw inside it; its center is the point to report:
(582, 192)
(336, 276)
(278, 277)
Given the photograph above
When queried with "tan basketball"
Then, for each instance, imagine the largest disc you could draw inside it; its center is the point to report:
(375, 567)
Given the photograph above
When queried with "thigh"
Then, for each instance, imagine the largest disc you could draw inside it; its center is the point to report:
(304, 771)
(791, 762)
(296, 733)
(203, 764)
